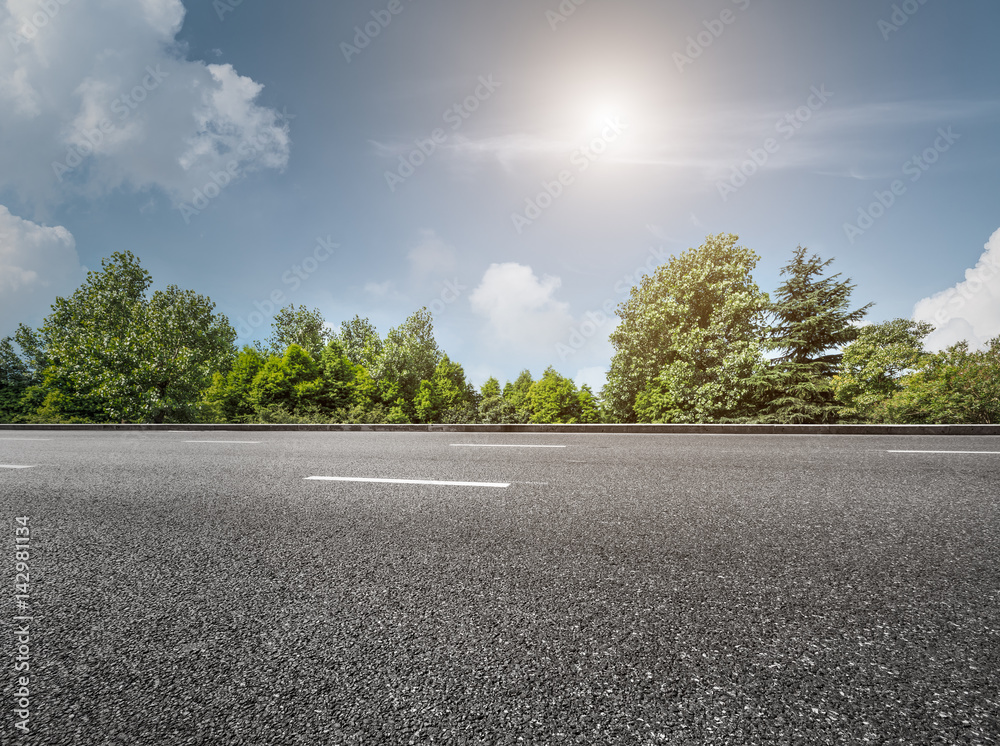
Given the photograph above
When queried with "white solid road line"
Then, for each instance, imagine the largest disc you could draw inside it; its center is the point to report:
(9, 466)
(501, 485)
(978, 453)
(222, 441)
(499, 445)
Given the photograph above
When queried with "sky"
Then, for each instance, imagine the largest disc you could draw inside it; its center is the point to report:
(514, 167)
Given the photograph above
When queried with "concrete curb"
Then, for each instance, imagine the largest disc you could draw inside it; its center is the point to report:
(610, 429)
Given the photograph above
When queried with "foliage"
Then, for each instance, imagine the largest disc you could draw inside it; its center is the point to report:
(360, 341)
(128, 357)
(954, 386)
(409, 355)
(298, 326)
(811, 322)
(873, 364)
(447, 396)
(689, 337)
(553, 398)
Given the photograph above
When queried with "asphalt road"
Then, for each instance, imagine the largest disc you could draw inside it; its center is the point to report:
(623, 589)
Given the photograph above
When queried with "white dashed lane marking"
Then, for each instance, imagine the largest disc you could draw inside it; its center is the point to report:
(500, 485)
(977, 453)
(499, 445)
(251, 442)
(11, 466)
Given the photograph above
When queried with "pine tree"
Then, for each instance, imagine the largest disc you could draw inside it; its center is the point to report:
(811, 324)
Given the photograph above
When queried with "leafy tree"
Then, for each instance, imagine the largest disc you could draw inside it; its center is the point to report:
(516, 394)
(299, 326)
(361, 342)
(447, 396)
(873, 364)
(589, 406)
(553, 398)
(346, 384)
(689, 338)
(228, 398)
(409, 355)
(15, 378)
(137, 358)
(291, 382)
(954, 386)
(490, 388)
(811, 322)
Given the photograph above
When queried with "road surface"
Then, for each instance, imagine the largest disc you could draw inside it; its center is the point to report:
(207, 588)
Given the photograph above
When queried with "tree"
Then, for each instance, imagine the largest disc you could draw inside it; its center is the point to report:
(689, 338)
(291, 382)
(954, 386)
(360, 341)
(228, 398)
(553, 398)
(873, 364)
(447, 396)
(137, 358)
(516, 395)
(409, 355)
(494, 408)
(811, 322)
(299, 326)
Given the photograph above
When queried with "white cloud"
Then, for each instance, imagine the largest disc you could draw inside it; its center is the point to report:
(101, 97)
(971, 309)
(37, 263)
(521, 308)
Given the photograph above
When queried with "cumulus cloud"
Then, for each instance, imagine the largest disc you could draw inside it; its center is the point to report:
(971, 309)
(521, 308)
(97, 95)
(37, 263)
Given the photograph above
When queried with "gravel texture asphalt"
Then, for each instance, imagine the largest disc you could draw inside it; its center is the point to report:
(625, 589)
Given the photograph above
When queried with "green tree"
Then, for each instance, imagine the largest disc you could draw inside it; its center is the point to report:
(689, 338)
(516, 394)
(361, 342)
(228, 399)
(409, 355)
(811, 323)
(873, 364)
(553, 398)
(954, 386)
(493, 408)
(299, 326)
(137, 358)
(447, 396)
(291, 382)
(15, 378)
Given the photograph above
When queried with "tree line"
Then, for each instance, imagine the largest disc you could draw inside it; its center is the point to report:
(698, 341)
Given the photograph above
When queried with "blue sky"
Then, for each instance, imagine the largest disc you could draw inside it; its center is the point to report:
(509, 165)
